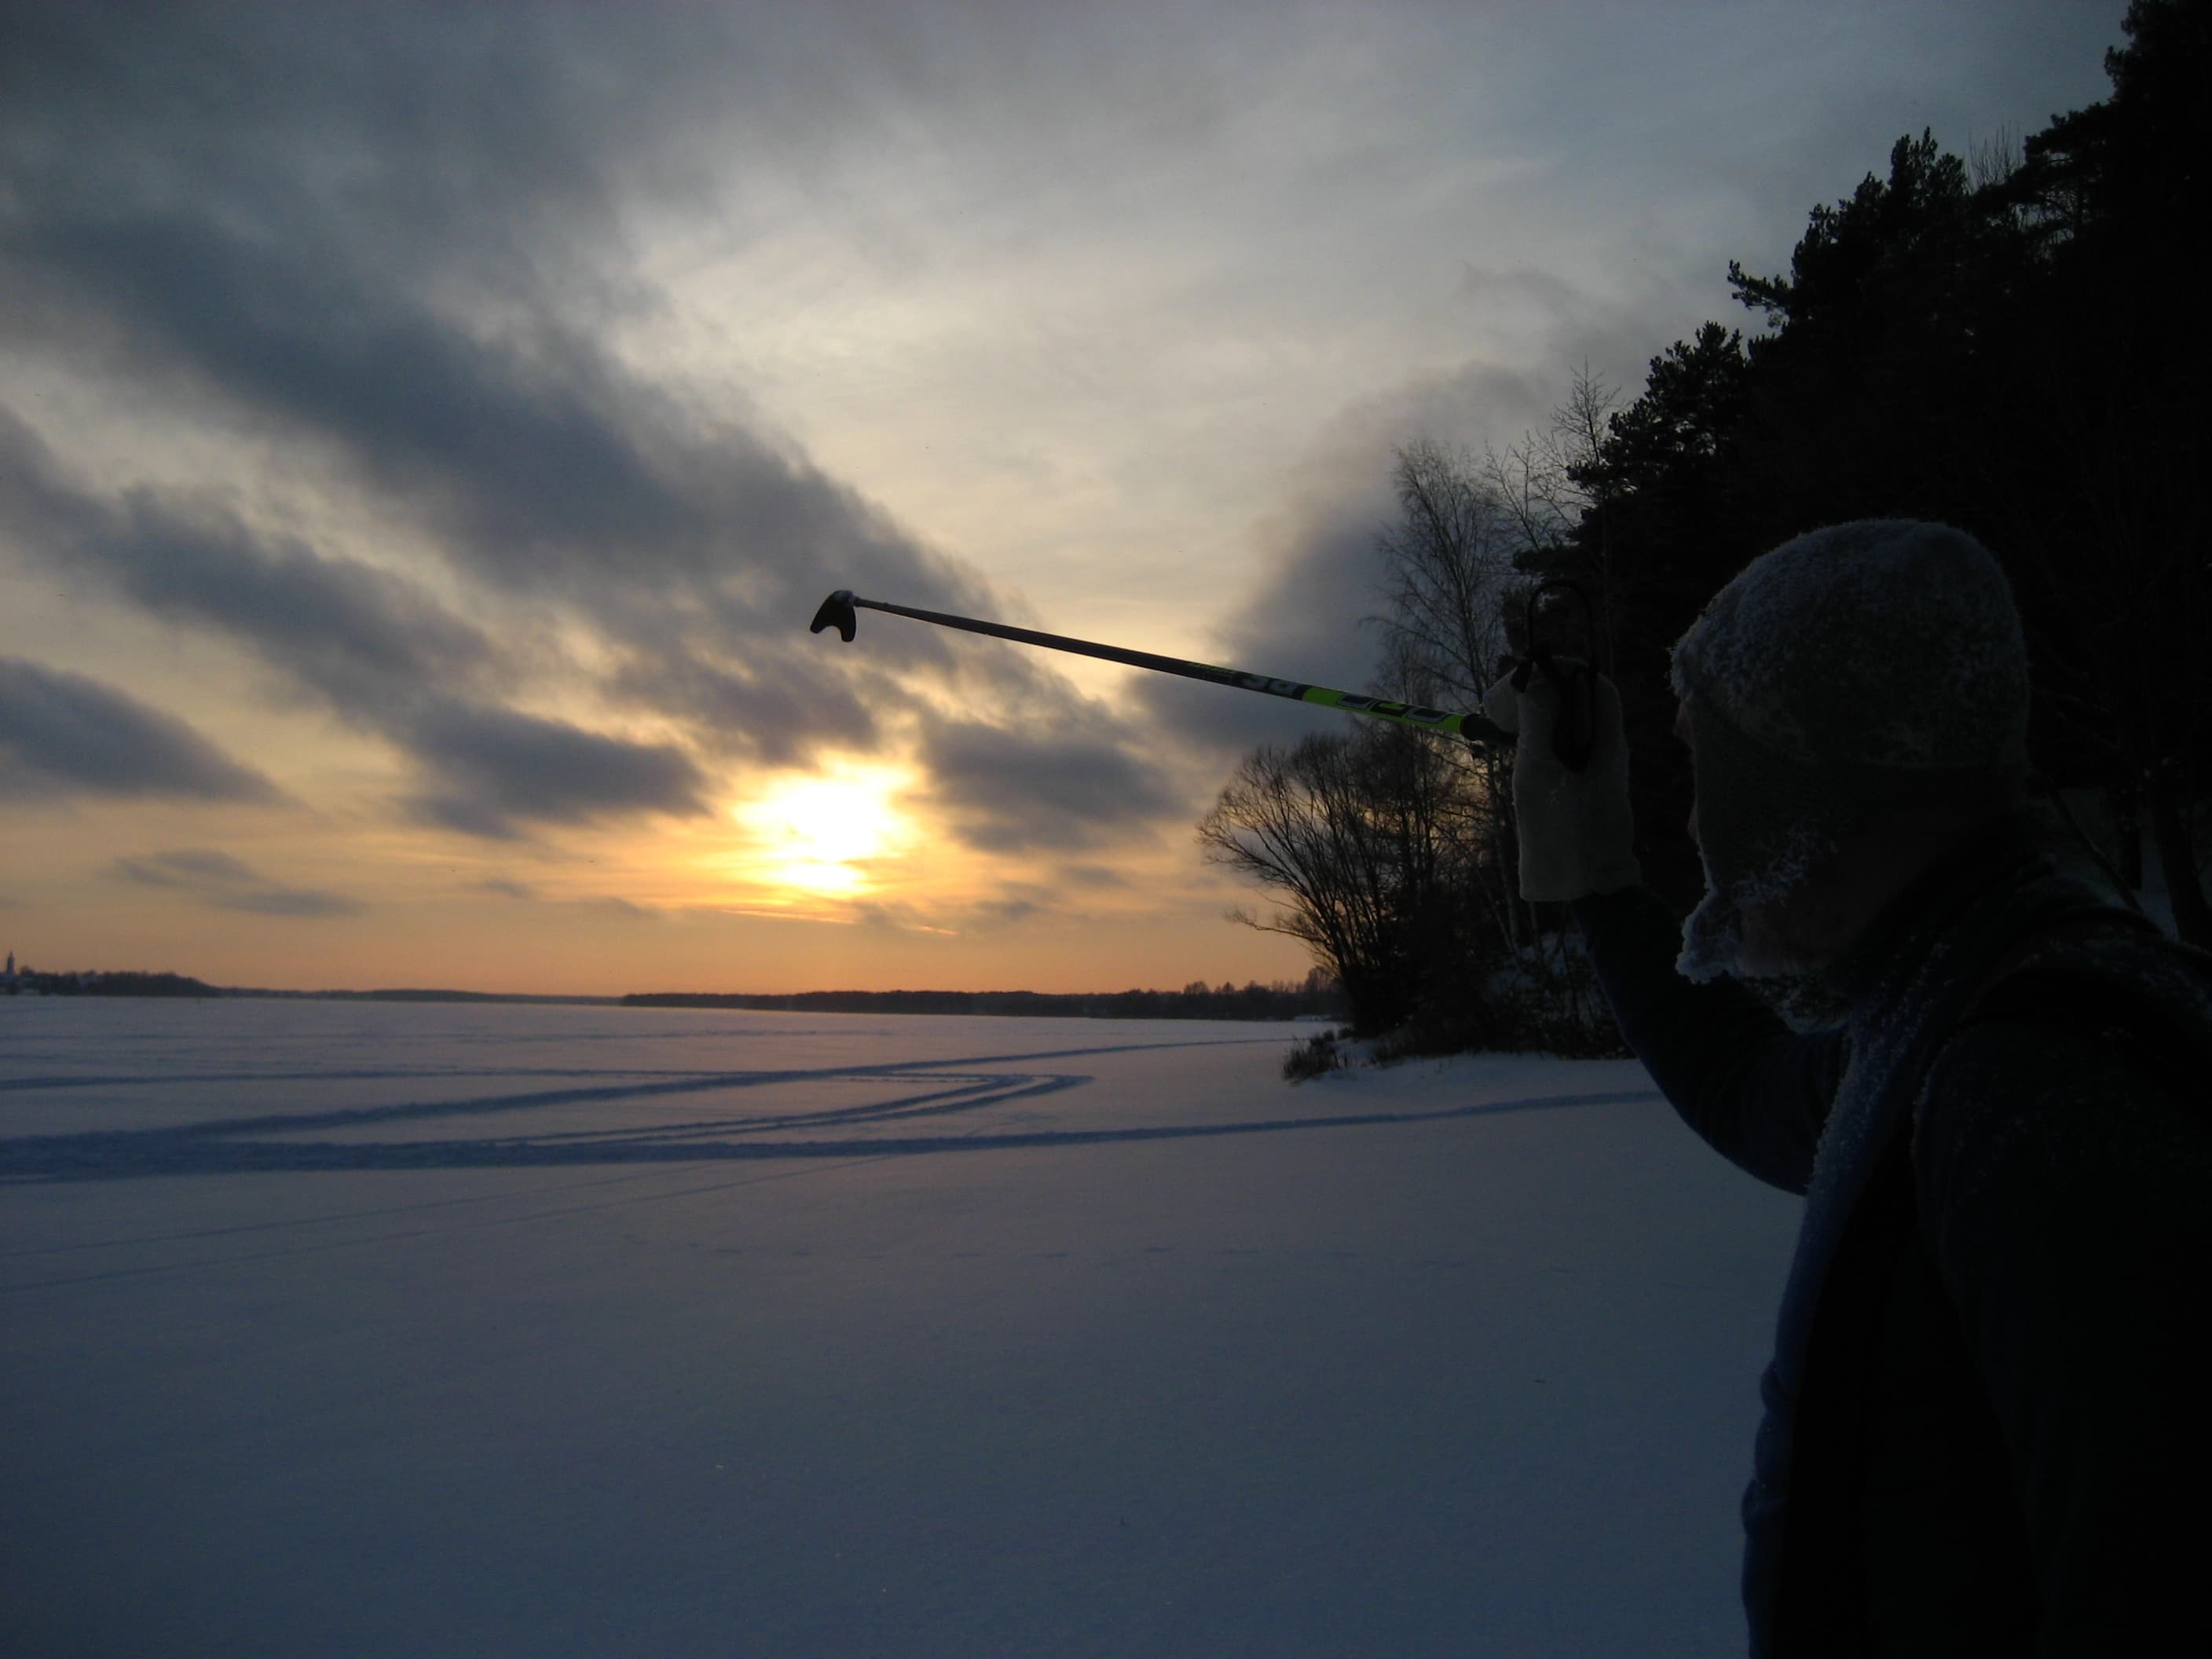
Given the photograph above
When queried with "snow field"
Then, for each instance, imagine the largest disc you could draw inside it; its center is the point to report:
(585, 1331)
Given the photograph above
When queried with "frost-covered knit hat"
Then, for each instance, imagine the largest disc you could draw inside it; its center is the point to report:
(1858, 670)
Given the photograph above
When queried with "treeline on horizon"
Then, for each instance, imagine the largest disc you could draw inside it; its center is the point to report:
(2013, 342)
(1312, 999)
(1315, 998)
(111, 982)
(142, 982)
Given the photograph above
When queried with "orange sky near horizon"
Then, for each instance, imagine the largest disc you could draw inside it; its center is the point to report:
(820, 881)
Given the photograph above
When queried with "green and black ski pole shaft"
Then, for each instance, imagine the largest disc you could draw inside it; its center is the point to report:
(840, 610)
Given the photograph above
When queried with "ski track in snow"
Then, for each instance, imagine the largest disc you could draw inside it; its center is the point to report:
(229, 1146)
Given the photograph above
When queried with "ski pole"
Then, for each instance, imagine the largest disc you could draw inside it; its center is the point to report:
(838, 611)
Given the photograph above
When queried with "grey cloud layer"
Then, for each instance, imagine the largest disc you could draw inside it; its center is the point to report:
(1306, 614)
(62, 734)
(1078, 788)
(493, 765)
(379, 245)
(226, 883)
(377, 649)
(392, 241)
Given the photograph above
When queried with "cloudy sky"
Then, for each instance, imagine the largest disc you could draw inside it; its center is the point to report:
(426, 430)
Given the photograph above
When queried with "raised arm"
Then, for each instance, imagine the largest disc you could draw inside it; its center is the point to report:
(1757, 1092)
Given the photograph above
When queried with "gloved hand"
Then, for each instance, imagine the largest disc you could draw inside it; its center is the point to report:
(1577, 836)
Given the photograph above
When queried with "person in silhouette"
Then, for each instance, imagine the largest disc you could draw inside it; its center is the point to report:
(1983, 1431)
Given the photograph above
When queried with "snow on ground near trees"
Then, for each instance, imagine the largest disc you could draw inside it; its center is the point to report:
(355, 1329)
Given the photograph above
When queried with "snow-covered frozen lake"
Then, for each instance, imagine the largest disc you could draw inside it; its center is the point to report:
(347, 1329)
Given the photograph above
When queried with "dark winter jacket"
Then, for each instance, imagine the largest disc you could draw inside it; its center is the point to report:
(1985, 1429)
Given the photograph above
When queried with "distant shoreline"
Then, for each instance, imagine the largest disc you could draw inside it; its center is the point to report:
(180, 986)
(1252, 1002)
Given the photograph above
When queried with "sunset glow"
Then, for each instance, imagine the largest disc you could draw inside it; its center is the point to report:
(821, 833)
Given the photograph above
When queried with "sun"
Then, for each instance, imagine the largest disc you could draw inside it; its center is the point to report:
(819, 833)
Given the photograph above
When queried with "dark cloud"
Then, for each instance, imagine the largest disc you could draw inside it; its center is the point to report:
(377, 648)
(606, 903)
(890, 916)
(189, 867)
(547, 467)
(1045, 787)
(493, 765)
(224, 883)
(1311, 613)
(360, 636)
(411, 132)
(1545, 290)
(1092, 875)
(1307, 618)
(63, 734)
(772, 702)
(354, 249)
(289, 901)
